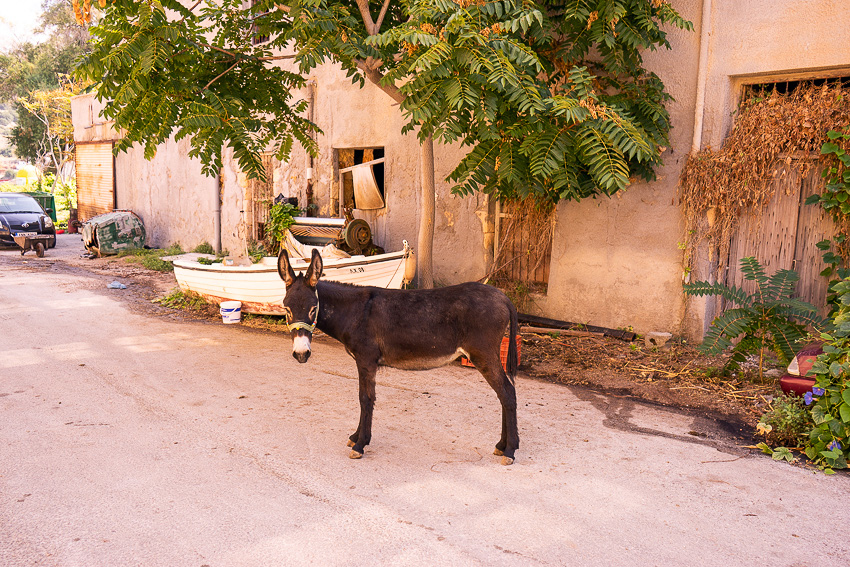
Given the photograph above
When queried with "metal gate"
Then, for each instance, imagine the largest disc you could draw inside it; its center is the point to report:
(95, 179)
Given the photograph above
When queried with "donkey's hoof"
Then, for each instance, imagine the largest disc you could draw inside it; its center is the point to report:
(350, 443)
(498, 452)
(507, 461)
(355, 454)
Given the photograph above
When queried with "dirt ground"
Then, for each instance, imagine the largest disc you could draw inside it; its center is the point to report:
(678, 376)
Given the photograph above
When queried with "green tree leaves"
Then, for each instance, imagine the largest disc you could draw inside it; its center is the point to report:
(33, 76)
(168, 77)
(550, 98)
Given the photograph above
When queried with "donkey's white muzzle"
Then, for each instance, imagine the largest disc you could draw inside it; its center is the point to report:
(301, 348)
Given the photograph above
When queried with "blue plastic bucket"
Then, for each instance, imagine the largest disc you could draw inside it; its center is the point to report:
(231, 312)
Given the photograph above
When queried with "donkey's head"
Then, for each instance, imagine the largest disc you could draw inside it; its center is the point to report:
(301, 304)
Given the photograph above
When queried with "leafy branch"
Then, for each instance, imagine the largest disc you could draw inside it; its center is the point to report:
(558, 86)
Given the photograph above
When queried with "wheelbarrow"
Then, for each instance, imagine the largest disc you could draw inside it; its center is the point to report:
(32, 241)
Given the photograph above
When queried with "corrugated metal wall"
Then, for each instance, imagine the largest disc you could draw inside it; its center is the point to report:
(95, 180)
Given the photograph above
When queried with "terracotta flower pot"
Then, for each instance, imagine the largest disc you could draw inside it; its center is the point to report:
(503, 353)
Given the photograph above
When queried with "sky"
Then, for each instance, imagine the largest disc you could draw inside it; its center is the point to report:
(17, 20)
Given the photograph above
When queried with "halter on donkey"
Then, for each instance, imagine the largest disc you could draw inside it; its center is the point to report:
(408, 329)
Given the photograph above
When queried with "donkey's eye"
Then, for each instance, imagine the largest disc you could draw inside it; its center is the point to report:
(313, 312)
(287, 313)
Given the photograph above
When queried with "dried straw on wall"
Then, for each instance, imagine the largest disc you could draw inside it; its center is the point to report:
(771, 128)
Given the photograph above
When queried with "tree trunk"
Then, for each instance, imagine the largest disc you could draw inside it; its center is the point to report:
(425, 242)
(425, 268)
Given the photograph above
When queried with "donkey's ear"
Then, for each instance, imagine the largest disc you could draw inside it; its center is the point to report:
(314, 272)
(284, 268)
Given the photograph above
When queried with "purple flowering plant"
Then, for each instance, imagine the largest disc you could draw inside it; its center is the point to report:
(829, 401)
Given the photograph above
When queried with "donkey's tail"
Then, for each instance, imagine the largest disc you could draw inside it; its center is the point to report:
(513, 357)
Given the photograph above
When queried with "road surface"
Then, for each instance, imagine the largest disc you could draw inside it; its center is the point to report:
(128, 438)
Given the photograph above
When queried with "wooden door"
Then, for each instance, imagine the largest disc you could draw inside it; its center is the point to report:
(785, 236)
(260, 197)
(524, 245)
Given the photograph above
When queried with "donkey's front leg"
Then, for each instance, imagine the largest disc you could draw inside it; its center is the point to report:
(363, 435)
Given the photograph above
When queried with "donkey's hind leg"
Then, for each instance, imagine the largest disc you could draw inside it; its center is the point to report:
(503, 442)
(363, 436)
(491, 369)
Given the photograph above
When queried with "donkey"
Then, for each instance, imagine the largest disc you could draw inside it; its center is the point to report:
(407, 329)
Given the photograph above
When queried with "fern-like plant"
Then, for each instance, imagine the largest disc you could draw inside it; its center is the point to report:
(767, 318)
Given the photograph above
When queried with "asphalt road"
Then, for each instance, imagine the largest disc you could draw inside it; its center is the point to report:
(128, 438)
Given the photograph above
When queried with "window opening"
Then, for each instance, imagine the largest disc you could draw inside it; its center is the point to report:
(257, 38)
(787, 87)
(361, 179)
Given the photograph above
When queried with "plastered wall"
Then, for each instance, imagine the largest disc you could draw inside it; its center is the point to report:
(760, 42)
(616, 262)
(169, 193)
(89, 125)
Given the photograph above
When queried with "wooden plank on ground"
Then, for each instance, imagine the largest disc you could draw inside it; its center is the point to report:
(566, 332)
(556, 324)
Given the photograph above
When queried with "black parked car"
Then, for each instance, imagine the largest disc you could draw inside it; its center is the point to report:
(20, 214)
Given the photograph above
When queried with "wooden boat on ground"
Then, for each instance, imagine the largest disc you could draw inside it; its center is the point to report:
(261, 290)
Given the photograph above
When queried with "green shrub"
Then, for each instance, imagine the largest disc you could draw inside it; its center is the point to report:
(829, 440)
(786, 422)
(156, 263)
(835, 201)
(281, 217)
(151, 258)
(178, 299)
(257, 251)
(204, 248)
(173, 250)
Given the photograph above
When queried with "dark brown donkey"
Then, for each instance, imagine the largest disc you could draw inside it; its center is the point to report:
(409, 329)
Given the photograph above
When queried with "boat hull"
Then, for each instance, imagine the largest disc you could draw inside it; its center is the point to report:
(261, 290)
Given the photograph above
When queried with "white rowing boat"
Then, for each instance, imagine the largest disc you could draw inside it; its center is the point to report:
(261, 290)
